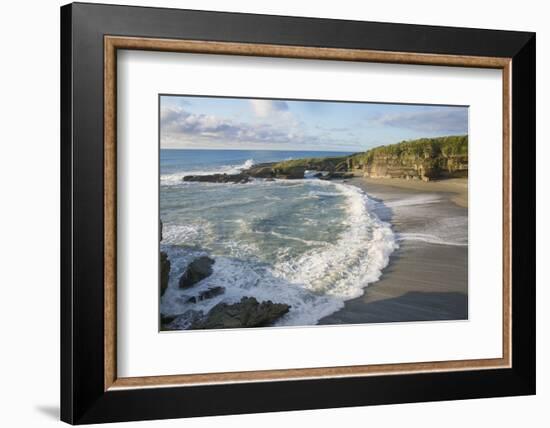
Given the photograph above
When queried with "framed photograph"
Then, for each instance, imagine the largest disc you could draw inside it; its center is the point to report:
(266, 213)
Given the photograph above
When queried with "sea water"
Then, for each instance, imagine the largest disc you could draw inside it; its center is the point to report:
(309, 243)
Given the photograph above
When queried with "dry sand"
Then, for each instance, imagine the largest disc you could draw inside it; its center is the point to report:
(427, 277)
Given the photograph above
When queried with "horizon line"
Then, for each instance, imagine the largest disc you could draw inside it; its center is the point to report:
(319, 150)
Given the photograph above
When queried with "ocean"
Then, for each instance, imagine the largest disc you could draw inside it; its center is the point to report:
(310, 243)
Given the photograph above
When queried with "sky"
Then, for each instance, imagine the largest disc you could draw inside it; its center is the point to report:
(191, 122)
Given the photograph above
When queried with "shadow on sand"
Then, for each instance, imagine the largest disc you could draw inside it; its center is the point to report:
(411, 306)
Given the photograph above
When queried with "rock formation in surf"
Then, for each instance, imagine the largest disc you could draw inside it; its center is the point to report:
(197, 270)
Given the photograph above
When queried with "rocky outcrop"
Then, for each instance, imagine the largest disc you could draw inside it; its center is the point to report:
(327, 164)
(197, 270)
(207, 294)
(415, 167)
(396, 167)
(180, 321)
(164, 272)
(291, 173)
(332, 168)
(167, 319)
(263, 170)
(247, 313)
(218, 178)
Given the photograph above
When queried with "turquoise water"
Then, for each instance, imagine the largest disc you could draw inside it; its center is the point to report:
(308, 243)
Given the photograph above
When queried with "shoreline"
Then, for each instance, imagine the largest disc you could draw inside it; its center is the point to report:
(457, 187)
(424, 280)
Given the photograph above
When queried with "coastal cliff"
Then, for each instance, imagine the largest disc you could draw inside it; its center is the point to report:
(423, 159)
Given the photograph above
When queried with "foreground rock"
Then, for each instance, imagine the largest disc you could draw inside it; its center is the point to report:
(164, 272)
(179, 321)
(247, 313)
(197, 270)
(166, 319)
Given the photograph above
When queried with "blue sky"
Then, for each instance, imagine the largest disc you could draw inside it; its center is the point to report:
(254, 124)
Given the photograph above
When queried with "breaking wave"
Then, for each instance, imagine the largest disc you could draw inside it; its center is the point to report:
(176, 178)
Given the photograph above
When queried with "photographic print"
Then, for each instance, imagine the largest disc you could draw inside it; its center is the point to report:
(279, 212)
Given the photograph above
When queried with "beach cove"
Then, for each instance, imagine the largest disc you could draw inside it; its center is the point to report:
(427, 276)
(272, 238)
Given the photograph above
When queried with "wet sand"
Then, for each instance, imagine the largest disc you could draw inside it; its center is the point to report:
(427, 277)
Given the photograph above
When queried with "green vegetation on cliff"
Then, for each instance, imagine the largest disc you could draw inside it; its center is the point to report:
(456, 145)
(425, 159)
(338, 163)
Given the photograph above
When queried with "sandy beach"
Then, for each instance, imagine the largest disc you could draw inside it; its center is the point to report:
(427, 277)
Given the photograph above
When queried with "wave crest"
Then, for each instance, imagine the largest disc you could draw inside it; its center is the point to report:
(176, 177)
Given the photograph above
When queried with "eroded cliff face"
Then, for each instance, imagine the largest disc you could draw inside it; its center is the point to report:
(424, 159)
(414, 167)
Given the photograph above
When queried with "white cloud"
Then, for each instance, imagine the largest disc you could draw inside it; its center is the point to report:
(266, 108)
(179, 124)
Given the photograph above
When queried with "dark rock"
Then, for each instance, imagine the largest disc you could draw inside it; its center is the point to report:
(291, 173)
(247, 313)
(197, 270)
(167, 319)
(207, 294)
(261, 171)
(218, 178)
(180, 321)
(164, 271)
(336, 176)
(211, 292)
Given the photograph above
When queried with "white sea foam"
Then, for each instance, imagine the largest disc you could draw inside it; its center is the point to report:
(246, 279)
(321, 193)
(440, 231)
(429, 239)
(413, 201)
(176, 234)
(355, 259)
(415, 216)
(312, 173)
(176, 178)
(294, 238)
